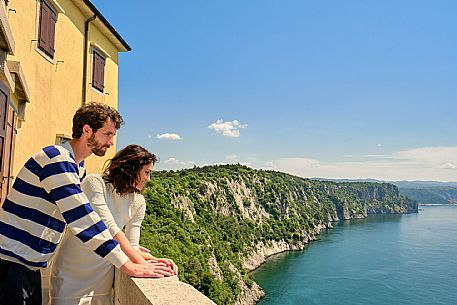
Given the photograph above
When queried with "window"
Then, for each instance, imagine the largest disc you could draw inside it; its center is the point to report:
(47, 28)
(62, 138)
(98, 71)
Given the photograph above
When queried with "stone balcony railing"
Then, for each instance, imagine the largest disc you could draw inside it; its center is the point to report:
(163, 291)
(143, 291)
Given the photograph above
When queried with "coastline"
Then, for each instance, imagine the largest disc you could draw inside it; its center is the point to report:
(252, 295)
(317, 275)
(436, 204)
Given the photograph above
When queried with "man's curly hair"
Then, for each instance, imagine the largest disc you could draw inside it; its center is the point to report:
(94, 115)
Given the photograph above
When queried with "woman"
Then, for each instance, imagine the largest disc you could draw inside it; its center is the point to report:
(81, 277)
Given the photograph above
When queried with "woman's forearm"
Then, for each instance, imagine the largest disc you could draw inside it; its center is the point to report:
(147, 256)
(127, 248)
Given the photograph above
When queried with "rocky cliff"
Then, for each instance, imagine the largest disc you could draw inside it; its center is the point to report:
(220, 222)
(432, 195)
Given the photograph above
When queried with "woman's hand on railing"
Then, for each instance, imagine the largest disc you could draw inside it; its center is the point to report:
(169, 263)
(146, 253)
(148, 269)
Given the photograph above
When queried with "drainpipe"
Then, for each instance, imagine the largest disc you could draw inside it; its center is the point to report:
(86, 42)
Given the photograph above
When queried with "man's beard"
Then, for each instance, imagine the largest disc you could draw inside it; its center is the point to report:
(96, 147)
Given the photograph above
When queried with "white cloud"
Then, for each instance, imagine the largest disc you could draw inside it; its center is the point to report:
(173, 163)
(291, 163)
(432, 156)
(447, 165)
(228, 129)
(377, 156)
(176, 161)
(231, 157)
(169, 136)
(426, 163)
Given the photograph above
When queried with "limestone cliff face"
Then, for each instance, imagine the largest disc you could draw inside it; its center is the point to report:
(350, 200)
(228, 219)
(357, 200)
(439, 194)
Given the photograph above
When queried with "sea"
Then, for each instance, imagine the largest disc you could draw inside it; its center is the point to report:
(382, 259)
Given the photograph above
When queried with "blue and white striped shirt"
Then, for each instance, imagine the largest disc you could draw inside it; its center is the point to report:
(45, 198)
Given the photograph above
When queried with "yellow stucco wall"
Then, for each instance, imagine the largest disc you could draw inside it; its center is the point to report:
(56, 87)
(110, 94)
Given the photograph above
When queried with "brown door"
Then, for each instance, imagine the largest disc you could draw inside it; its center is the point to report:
(8, 121)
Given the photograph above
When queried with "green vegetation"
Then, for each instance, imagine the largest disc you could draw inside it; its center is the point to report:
(219, 213)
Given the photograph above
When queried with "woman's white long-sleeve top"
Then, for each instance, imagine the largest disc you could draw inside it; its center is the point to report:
(79, 277)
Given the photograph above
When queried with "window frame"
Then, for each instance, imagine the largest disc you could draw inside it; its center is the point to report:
(62, 138)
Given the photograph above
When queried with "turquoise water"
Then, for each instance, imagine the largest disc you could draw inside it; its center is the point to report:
(383, 259)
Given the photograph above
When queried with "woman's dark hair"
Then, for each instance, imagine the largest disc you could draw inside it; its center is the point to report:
(94, 115)
(123, 169)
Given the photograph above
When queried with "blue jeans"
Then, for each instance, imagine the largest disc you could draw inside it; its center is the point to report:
(19, 285)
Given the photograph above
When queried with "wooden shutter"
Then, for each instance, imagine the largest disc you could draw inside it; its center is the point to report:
(3, 121)
(98, 71)
(52, 32)
(47, 28)
(43, 30)
(95, 70)
(101, 71)
(11, 131)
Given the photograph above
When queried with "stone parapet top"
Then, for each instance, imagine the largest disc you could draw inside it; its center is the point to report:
(161, 291)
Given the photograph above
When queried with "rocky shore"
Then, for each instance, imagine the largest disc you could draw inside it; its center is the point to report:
(251, 295)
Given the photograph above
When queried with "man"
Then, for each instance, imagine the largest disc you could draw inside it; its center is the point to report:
(46, 198)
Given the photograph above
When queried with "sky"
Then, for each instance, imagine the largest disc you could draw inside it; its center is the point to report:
(331, 89)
